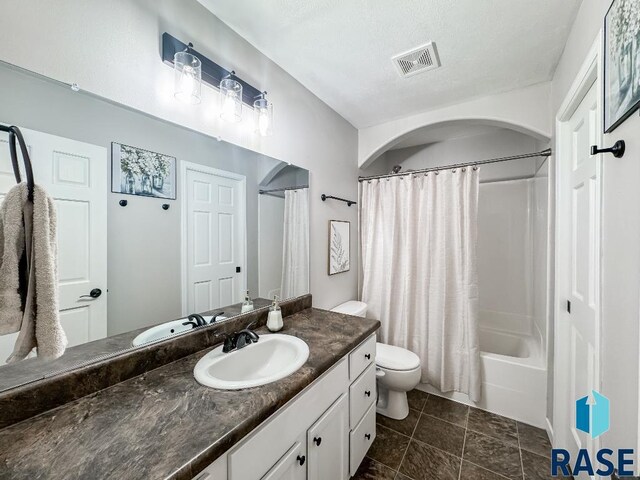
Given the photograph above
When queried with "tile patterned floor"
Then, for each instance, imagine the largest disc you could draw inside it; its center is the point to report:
(441, 439)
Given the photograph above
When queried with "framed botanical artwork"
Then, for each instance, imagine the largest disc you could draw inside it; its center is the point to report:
(339, 246)
(621, 62)
(135, 171)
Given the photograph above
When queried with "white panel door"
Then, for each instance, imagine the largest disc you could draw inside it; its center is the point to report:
(328, 443)
(579, 273)
(215, 238)
(75, 176)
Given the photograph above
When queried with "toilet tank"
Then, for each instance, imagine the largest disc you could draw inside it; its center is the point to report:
(352, 307)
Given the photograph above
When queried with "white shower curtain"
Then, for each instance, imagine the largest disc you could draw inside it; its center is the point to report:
(295, 248)
(418, 247)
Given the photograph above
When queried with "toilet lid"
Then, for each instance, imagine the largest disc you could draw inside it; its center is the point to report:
(395, 358)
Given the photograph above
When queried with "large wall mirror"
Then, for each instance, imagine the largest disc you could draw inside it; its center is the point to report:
(154, 222)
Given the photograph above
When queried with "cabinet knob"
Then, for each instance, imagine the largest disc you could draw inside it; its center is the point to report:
(367, 356)
(301, 459)
(368, 393)
(317, 440)
(367, 436)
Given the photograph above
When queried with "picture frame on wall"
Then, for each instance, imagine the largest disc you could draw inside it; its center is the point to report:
(136, 171)
(339, 246)
(621, 62)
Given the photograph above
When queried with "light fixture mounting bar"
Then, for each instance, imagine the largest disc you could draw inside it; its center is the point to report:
(212, 73)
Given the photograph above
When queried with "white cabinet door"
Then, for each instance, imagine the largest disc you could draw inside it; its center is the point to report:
(215, 238)
(75, 176)
(328, 443)
(292, 466)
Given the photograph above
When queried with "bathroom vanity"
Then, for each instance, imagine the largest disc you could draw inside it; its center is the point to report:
(323, 433)
(316, 423)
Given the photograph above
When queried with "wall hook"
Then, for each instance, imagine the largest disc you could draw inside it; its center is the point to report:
(123, 203)
(165, 206)
(617, 150)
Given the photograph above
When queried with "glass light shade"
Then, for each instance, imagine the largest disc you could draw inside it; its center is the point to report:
(187, 70)
(263, 117)
(230, 100)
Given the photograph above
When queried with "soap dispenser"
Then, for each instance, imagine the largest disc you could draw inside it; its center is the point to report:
(274, 321)
(247, 305)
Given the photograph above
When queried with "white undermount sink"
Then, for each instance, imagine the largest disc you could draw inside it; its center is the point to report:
(167, 329)
(272, 358)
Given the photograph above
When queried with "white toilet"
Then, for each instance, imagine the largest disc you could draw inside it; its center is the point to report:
(397, 369)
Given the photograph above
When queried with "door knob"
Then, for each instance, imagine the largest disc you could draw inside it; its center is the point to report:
(368, 393)
(367, 436)
(317, 440)
(301, 459)
(95, 293)
(368, 356)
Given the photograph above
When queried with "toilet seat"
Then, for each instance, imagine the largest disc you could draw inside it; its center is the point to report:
(396, 358)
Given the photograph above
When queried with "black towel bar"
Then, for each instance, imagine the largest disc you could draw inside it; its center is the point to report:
(348, 202)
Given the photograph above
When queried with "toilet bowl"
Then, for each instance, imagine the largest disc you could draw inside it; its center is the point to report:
(397, 370)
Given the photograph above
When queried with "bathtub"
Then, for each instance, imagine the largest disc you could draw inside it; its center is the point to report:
(514, 377)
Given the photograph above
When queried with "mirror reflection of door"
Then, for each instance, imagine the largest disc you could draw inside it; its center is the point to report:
(75, 176)
(215, 243)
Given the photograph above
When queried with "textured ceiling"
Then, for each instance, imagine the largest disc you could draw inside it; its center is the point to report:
(341, 49)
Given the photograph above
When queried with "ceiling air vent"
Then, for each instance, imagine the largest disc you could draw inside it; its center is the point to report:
(417, 60)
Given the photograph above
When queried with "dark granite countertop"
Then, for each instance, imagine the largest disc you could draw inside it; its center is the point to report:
(32, 369)
(163, 424)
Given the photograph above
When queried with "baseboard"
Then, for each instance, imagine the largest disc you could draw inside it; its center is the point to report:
(549, 429)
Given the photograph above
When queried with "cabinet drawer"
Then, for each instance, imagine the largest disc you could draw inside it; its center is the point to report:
(362, 394)
(362, 357)
(361, 439)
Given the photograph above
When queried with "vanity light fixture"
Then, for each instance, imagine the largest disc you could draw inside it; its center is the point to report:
(230, 99)
(187, 76)
(263, 115)
(233, 90)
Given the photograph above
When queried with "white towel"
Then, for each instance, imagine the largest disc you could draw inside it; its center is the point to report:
(39, 324)
(12, 246)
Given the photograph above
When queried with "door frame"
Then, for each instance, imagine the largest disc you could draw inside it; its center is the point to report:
(590, 74)
(196, 167)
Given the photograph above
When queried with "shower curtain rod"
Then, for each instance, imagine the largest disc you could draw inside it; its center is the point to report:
(543, 153)
(262, 192)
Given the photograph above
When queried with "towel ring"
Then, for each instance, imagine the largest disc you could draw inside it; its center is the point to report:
(14, 132)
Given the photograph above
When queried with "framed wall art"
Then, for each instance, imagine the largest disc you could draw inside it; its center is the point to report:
(135, 171)
(339, 246)
(621, 62)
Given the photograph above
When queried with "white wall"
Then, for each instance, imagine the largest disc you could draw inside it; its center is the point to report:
(500, 143)
(112, 49)
(539, 211)
(270, 213)
(620, 255)
(526, 109)
(505, 275)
